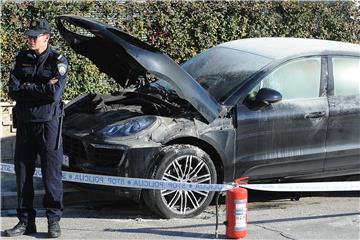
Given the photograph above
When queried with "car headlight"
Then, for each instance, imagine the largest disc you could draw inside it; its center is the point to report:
(128, 127)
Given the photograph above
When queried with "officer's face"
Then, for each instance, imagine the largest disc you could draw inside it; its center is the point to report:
(38, 43)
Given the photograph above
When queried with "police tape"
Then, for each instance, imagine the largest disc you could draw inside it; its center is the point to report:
(127, 182)
(173, 185)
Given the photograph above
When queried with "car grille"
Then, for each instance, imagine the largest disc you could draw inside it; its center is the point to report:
(81, 153)
(74, 147)
(105, 156)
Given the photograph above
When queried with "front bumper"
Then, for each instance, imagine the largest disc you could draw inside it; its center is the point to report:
(88, 155)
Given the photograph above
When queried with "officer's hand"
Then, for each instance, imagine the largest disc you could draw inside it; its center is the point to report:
(25, 85)
(53, 81)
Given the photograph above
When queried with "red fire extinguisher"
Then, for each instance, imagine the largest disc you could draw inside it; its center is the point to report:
(236, 212)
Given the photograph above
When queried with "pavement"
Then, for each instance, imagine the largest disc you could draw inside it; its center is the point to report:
(319, 216)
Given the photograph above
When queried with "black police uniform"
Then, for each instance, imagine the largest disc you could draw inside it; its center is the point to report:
(37, 115)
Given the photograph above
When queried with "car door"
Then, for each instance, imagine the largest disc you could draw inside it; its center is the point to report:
(286, 138)
(343, 140)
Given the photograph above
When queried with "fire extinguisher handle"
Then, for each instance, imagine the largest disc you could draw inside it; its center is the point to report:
(240, 180)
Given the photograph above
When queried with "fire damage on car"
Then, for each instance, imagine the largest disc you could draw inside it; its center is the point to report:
(92, 117)
(127, 133)
(219, 116)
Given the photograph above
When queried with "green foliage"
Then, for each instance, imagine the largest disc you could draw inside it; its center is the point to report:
(181, 29)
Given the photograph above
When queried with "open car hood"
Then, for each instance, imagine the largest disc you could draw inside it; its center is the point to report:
(125, 58)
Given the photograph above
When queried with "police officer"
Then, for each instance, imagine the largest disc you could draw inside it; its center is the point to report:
(36, 83)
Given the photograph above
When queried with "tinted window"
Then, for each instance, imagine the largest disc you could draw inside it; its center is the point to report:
(296, 79)
(346, 76)
(221, 70)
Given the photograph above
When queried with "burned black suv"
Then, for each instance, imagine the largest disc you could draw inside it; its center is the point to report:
(272, 109)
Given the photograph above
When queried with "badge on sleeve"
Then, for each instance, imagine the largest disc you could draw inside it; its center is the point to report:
(62, 68)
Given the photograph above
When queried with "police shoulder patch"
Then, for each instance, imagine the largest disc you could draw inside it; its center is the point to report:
(62, 68)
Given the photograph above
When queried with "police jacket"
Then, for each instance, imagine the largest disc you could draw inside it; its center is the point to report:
(37, 100)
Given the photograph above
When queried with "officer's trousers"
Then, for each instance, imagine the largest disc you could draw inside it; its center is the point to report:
(38, 139)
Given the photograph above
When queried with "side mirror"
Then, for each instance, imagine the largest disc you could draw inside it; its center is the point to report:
(268, 96)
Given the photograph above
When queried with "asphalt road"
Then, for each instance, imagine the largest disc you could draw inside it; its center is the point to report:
(325, 216)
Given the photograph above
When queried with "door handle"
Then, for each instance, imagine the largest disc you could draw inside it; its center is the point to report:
(315, 115)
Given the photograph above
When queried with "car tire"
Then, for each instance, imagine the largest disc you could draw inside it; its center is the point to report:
(185, 163)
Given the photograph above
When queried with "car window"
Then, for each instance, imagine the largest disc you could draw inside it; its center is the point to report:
(346, 72)
(296, 79)
(222, 70)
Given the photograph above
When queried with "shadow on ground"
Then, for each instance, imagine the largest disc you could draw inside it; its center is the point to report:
(106, 206)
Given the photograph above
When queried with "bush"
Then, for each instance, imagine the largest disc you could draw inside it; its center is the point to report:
(181, 29)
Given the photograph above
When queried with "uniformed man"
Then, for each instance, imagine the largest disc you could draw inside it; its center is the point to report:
(36, 83)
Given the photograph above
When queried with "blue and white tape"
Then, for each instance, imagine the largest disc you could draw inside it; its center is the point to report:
(126, 182)
(307, 187)
(172, 185)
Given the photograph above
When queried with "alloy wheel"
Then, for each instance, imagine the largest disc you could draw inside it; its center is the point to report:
(189, 169)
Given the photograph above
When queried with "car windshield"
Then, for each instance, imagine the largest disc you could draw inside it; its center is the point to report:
(221, 70)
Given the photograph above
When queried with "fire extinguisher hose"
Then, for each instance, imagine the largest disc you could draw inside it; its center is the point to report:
(218, 194)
